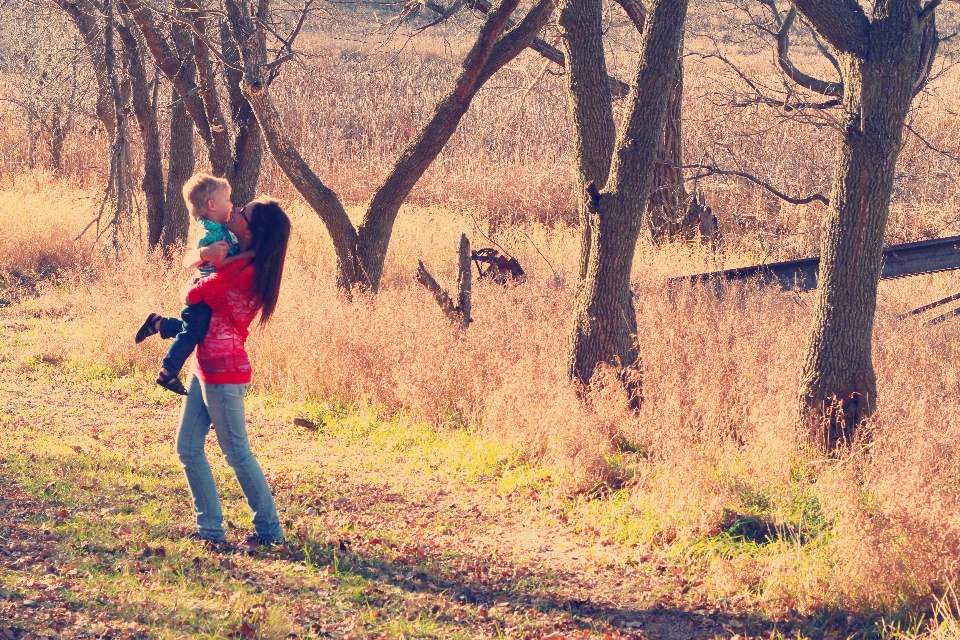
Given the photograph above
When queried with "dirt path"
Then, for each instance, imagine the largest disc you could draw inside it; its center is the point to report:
(94, 510)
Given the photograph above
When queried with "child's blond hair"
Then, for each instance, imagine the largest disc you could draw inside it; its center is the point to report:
(199, 188)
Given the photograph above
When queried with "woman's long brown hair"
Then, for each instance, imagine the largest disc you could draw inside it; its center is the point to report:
(270, 228)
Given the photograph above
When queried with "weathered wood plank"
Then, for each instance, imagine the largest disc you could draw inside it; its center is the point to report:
(899, 261)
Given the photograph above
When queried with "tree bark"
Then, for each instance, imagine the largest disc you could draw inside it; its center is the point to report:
(181, 159)
(84, 17)
(588, 85)
(152, 182)
(668, 196)
(878, 61)
(248, 143)
(672, 212)
(181, 164)
(604, 319)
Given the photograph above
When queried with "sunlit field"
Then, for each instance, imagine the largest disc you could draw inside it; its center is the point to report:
(709, 475)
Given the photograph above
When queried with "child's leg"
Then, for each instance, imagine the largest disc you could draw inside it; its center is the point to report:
(195, 320)
(170, 327)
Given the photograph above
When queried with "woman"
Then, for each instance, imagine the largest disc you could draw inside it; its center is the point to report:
(221, 371)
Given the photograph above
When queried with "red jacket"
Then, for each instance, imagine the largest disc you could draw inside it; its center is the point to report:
(221, 357)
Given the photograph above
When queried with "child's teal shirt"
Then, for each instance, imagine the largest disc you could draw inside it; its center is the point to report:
(215, 232)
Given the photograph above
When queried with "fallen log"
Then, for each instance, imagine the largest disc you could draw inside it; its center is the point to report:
(899, 261)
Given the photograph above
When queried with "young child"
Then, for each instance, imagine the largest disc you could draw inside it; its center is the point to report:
(208, 201)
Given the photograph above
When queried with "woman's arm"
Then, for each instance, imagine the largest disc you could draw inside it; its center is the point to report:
(185, 293)
(249, 253)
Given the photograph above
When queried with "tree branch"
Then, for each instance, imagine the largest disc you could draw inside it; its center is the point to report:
(517, 39)
(928, 10)
(618, 88)
(635, 11)
(930, 145)
(842, 23)
(831, 89)
(715, 171)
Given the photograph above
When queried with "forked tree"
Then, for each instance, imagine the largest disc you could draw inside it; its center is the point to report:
(881, 59)
(616, 172)
(190, 55)
(361, 251)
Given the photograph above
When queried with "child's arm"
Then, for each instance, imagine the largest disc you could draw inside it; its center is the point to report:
(214, 253)
(249, 253)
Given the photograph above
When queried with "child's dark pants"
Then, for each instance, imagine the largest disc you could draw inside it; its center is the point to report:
(187, 332)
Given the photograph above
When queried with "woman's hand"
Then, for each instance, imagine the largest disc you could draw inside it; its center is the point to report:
(249, 253)
(184, 292)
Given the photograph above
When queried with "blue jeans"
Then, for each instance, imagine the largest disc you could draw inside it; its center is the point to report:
(187, 332)
(222, 405)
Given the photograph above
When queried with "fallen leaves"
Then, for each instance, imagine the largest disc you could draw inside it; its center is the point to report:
(367, 554)
(247, 630)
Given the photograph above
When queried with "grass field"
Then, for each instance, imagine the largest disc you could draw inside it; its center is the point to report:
(454, 484)
(469, 454)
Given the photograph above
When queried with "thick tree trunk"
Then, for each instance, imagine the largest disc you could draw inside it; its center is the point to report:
(487, 57)
(247, 143)
(604, 319)
(878, 63)
(152, 183)
(181, 165)
(594, 130)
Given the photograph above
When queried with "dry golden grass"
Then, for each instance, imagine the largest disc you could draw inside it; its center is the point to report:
(878, 529)
(37, 242)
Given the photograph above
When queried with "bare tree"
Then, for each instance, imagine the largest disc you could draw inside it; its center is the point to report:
(882, 61)
(616, 172)
(191, 62)
(144, 108)
(361, 251)
(43, 76)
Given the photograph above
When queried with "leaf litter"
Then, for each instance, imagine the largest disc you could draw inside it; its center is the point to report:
(93, 540)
